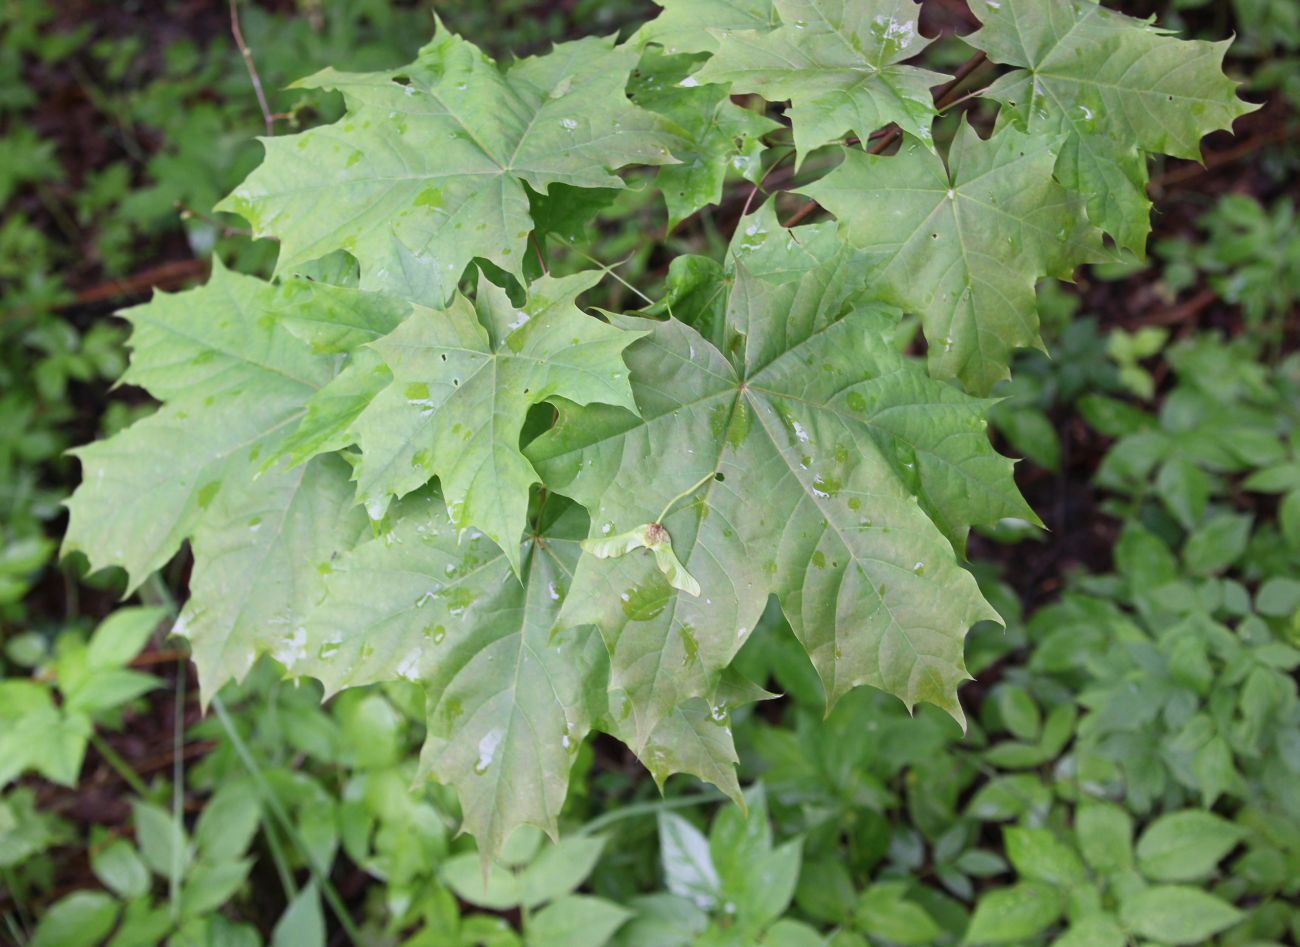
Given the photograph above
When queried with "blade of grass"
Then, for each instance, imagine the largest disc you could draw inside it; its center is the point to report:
(19, 921)
(281, 862)
(155, 590)
(120, 766)
(178, 791)
(17, 933)
(286, 824)
(649, 808)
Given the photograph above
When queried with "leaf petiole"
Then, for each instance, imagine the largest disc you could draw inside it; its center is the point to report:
(685, 493)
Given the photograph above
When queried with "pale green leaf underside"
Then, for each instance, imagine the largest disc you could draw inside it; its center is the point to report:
(1116, 89)
(235, 382)
(510, 697)
(963, 247)
(688, 26)
(210, 352)
(462, 382)
(428, 168)
(815, 489)
(716, 133)
(837, 62)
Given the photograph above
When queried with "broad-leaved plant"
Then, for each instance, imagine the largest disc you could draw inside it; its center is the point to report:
(414, 454)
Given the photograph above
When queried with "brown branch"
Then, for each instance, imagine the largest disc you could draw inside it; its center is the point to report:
(537, 248)
(147, 658)
(168, 757)
(758, 186)
(252, 70)
(963, 73)
(1183, 311)
(164, 276)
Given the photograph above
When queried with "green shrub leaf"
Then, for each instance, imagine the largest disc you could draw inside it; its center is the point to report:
(1183, 846)
(1014, 914)
(1175, 914)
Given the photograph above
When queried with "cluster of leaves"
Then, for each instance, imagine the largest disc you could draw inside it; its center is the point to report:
(353, 799)
(178, 120)
(1184, 660)
(48, 720)
(1243, 256)
(412, 456)
(161, 882)
(1250, 256)
(209, 868)
(1130, 775)
(1165, 822)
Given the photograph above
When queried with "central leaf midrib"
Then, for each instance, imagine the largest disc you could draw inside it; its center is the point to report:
(272, 539)
(675, 597)
(515, 710)
(829, 517)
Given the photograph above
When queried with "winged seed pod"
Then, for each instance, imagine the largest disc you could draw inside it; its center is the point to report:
(650, 536)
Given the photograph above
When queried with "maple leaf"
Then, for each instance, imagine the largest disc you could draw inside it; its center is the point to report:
(1114, 88)
(432, 164)
(690, 26)
(717, 134)
(462, 383)
(208, 353)
(259, 553)
(509, 703)
(511, 698)
(963, 247)
(337, 320)
(235, 382)
(783, 466)
(838, 63)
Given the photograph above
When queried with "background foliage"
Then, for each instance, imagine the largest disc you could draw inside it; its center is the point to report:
(1130, 771)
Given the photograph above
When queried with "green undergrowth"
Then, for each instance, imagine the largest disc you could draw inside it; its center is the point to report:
(530, 455)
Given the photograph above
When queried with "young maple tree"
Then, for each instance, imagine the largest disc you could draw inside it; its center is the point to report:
(353, 449)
